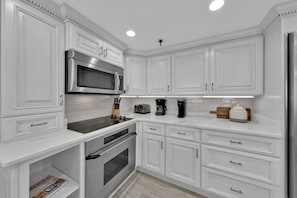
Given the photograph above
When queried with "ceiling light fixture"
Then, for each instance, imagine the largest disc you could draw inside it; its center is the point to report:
(216, 5)
(130, 33)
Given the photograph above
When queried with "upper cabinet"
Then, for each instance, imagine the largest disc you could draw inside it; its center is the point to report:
(158, 75)
(32, 71)
(237, 67)
(190, 72)
(135, 75)
(80, 40)
(228, 68)
(32, 65)
(87, 43)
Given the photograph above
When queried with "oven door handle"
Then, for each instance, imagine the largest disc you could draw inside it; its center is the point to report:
(91, 157)
(109, 148)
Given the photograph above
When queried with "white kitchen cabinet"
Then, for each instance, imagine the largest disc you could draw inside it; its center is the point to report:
(158, 75)
(32, 65)
(237, 67)
(112, 54)
(90, 44)
(32, 71)
(154, 153)
(231, 186)
(190, 70)
(183, 161)
(135, 75)
(82, 41)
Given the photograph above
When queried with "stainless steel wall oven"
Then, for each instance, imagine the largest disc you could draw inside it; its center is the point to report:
(109, 160)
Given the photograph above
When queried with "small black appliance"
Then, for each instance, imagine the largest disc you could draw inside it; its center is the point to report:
(181, 108)
(161, 107)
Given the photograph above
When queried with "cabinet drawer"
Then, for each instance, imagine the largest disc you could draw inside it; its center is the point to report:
(241, 142)
(262, 168)
(154, 128)
(236, 187)
(183, 133)
(30, 125)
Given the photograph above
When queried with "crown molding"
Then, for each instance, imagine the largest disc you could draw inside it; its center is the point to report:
(71, 15)
(48, 7)
(250, 32)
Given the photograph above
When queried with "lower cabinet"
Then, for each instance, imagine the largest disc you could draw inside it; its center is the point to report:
(183, 161)
(154, 153)
(231, 186)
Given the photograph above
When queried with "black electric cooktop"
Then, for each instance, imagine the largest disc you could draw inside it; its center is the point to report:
(87, 126)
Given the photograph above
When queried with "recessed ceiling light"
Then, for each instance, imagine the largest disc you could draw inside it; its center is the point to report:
(216, 5)
(130, 33)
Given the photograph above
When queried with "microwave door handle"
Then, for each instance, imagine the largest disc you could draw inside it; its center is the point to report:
(117, 82)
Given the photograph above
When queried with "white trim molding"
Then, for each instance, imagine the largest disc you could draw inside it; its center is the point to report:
(71, 15)
(48, 7)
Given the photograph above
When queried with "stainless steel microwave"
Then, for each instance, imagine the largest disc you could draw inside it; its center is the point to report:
(86, 74)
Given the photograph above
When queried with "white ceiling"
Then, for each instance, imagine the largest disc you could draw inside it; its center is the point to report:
(175, 21)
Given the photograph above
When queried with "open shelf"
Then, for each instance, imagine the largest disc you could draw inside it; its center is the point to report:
(70, 187)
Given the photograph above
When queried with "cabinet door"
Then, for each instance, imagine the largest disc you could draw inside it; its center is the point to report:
(82, 41)
(32, 68)
(113, 55)
(183, 161)
(153, 153)
(158, 77)
(135, 76)
(237, 67)
(190, 72)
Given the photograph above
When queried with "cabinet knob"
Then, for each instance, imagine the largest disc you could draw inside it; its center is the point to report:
(105, 52)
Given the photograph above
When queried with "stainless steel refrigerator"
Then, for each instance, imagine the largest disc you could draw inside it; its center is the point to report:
(292, 113)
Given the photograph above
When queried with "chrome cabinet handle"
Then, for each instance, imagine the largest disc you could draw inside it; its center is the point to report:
(153, 129)
(236, 163)
(100, 50)
(105, 52)
(162, 145)
(197, 153)
(39, 124)
(61, 100)
(168, 88)
(205, 86)
(181, 133)
(235, 142)
(127, 88)
(211, 86)
(237, 191)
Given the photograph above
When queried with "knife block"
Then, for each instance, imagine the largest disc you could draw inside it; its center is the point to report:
(116, 110)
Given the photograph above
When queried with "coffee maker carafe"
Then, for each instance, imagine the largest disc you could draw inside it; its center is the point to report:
(161, 107)
(181, 108)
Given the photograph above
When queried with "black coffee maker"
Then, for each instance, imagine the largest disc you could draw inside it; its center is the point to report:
(181, 108)
(161, 107)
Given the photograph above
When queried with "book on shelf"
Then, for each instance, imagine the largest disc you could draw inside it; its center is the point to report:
(47, 187)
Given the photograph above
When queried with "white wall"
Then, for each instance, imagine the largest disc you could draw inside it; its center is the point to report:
(197, 106)
(87, 106)
(270, 105)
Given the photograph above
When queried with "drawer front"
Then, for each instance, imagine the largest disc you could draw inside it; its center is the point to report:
(236, 187)
(30, 125)
(154, 128)
(262, 168)
(183, 133)
(241, 142)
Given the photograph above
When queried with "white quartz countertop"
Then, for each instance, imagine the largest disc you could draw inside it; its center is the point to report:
(12, 153)
(210, 123)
